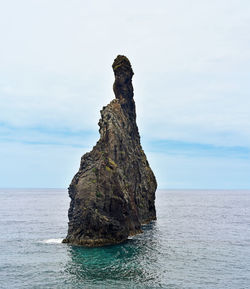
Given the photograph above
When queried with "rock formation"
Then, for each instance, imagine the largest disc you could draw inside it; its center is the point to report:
(113, 192)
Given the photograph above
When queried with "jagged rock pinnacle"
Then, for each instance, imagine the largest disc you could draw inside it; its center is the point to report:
(123, 88)
(113, 192)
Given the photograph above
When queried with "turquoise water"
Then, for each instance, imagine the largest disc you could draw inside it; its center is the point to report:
(200, 240)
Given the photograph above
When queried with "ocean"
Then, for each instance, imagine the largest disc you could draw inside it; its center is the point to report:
(201, 239)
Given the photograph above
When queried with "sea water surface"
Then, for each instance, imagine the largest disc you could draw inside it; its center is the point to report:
(201, 239)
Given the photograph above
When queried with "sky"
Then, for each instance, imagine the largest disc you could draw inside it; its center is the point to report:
(191, 60)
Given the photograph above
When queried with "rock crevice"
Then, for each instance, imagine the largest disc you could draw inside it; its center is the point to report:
(113, 192)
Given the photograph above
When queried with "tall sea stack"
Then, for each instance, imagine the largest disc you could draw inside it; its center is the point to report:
(113, 193)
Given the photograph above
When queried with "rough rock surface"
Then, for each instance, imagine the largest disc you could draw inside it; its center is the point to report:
(113, 193)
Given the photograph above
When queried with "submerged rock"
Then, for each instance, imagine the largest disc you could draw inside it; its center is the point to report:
(113, 193)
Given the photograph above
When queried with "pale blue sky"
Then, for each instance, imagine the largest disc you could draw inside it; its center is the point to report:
(192, 68)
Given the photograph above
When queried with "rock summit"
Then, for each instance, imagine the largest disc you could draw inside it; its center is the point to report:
(113, 193)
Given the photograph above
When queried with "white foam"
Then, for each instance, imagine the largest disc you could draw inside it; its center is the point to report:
(53, 241)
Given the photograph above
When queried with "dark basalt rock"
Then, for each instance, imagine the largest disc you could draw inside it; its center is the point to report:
(113, 193)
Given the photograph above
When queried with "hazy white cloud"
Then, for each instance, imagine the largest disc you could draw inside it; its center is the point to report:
(206, 112)
(191, 61)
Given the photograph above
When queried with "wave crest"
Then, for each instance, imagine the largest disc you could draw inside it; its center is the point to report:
(52, 241)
